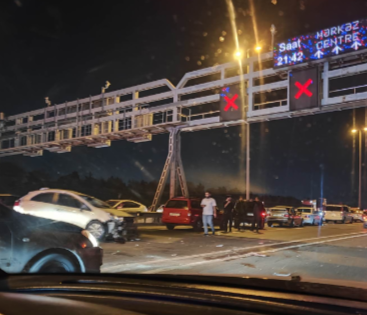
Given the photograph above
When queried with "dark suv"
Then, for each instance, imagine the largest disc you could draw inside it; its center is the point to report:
(185, 211)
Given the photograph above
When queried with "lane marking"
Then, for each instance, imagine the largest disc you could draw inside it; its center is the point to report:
(122, 267)
(249, 254)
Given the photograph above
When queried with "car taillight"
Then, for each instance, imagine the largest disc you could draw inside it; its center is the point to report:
(286, 215)
(263, 214)
(17, 203)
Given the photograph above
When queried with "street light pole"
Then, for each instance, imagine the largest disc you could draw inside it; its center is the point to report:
(359, 165)
(360, 171)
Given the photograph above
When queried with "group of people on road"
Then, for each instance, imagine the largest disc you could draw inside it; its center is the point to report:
(233, 211)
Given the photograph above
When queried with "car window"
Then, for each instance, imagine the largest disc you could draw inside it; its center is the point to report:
(305, 210)
(46, 198)
(333, 208)
(95, 202)
(68, 201)
(177, 204)
(129, 204)
(346, 209)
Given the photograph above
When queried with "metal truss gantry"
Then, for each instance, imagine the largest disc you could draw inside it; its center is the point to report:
(138, 113)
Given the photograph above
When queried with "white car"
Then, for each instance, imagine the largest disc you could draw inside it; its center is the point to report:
(357, 214)
(129, 206)
(338, 213)
(310, 215)
(71, 207)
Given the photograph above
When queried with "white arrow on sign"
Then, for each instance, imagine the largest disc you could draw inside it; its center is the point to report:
(318, 54)
(336, 49)
(356, 44)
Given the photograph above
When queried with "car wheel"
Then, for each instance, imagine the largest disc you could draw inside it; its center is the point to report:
(301, 223)
(198, 225)
(281, 224)
(170, 226)
(343, 221)
(54, 263)
(313, 222)
(292, 223)
(351, 221)
(97, 229)
(270, 224)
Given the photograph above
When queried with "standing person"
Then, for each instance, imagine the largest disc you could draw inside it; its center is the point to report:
(240, 208)
(228, 214)
(209, 211)
(258, 208)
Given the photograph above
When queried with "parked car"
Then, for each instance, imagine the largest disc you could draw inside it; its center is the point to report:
(72, 207)
(310, 215)
(185, 211)
(284, 215)
(160, 209)
(338, 213)
(357, 214)
(129, 206)
(8, 199)
(33, 244)
(248, 217)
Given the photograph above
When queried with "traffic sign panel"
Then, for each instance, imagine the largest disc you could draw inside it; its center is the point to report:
(230, 103)
(304, 89)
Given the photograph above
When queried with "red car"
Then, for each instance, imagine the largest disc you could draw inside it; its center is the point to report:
(185, 211)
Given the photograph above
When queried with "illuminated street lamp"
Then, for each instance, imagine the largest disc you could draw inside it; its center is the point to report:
(360, 165)
(258, 48)
(238, 54)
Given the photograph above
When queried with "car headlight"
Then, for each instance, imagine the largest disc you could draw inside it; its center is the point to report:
(90, 238)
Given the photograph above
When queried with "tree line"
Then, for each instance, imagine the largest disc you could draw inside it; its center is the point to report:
(15, 180)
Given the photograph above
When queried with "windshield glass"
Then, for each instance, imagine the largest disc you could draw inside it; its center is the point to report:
(95, 202)
(334, 208)
(177, 204)
(245, 119)
(112, 203)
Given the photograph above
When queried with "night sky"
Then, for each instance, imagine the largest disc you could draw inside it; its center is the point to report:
(68, 49)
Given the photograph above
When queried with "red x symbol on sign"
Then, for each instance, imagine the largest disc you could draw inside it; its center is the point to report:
(303, 89)
(230, 102)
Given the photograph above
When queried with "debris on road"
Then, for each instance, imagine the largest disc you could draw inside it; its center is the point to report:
(249, 265)
(219, 246)
(116, 252)
(174, 255)
(282, 274)
(257, 254)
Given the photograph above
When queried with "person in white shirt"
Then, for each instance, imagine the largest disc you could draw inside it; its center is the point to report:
(209, 211)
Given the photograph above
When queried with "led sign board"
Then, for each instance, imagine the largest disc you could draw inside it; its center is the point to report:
(230, 103)
(332, 41)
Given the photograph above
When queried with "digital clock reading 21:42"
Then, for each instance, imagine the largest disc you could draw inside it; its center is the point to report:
(328, 42)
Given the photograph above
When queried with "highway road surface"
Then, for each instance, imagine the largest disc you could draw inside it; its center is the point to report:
(332, 251)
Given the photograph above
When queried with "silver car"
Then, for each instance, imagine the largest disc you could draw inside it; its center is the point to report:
(310, 215)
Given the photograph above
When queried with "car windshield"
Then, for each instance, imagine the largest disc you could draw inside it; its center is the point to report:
(193, 137)
(303, 210)
(177, 204)
(95, 202)
(112, 203)
(334, 208)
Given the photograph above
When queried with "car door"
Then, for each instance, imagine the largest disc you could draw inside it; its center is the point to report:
(130, 206)
(42, 205)
(70, 210)
(348, 214)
